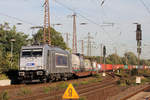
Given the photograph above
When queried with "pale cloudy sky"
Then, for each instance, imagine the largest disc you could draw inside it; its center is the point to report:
(123, 13)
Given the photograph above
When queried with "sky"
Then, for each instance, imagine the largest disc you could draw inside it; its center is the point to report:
(118, 38)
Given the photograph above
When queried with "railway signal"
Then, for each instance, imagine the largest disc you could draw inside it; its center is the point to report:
(104, 54)
(104, 51)
(139, 40)
(138, 33)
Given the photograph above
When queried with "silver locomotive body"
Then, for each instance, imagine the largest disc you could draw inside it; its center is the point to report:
(44, 63)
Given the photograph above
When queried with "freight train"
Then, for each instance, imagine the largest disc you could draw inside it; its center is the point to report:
(111, 67)
(46, 63)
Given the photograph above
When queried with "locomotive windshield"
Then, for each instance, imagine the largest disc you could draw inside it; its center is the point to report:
(31, 52)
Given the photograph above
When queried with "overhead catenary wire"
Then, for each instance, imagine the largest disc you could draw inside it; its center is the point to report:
(143, 3)
(86, 18)
(18, 19)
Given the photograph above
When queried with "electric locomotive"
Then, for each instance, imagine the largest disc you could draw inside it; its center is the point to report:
(44, 63)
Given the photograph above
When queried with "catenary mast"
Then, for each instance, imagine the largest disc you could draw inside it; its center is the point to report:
(46, 37)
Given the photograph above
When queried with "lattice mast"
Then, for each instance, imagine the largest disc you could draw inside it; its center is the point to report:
(67, 39)
(89, 44)
(82, 46)
(46, 37)
(74, 43)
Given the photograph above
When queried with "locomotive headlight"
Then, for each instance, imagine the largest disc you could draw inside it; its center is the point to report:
(22, 68)
(39, 72)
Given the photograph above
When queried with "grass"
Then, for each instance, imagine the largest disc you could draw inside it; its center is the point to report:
(75, 84)
(145, 80)
(82, 98)
(97, 76)
(84, 82)
(129, 77)
(47, 89)
(62, 85)
(25, 91)
(4, 95)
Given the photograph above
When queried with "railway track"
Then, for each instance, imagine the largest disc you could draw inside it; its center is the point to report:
(136, 92)
(33, 85)
(82, 90)
(11, 87)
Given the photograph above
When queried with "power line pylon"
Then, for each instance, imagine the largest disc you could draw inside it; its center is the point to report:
(46, 37)
(74, 43)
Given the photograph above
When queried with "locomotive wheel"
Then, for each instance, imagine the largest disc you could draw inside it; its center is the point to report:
(44, 80)
(65, 79)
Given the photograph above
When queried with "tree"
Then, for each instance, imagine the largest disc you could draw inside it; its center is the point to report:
(114, 59)
(56, 38)
(131, 57)
(144, 62)
(6, 34)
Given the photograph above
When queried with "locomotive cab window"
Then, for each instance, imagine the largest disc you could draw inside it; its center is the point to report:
(26, 53)
(37, 53)
(32, 53)
(61, 60)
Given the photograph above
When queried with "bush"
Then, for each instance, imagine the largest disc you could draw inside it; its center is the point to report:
(25, 91)
(4, 96)
(3, 77)
(145, 80)
(134, 72)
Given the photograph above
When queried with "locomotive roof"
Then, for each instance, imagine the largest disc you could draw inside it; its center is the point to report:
(57, 49)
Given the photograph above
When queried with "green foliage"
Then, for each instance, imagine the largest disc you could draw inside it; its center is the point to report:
(84, 82)
(114, 58)
(25, 91)
(4, 95)
(8, 33)
(134, 72)
(96, 76)
(145, 80)
(56, 38)
(3, 77)
(131, 58)
(47, 89)
(83, 98)
(75, 84)
(144, 62)
(62, 85)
